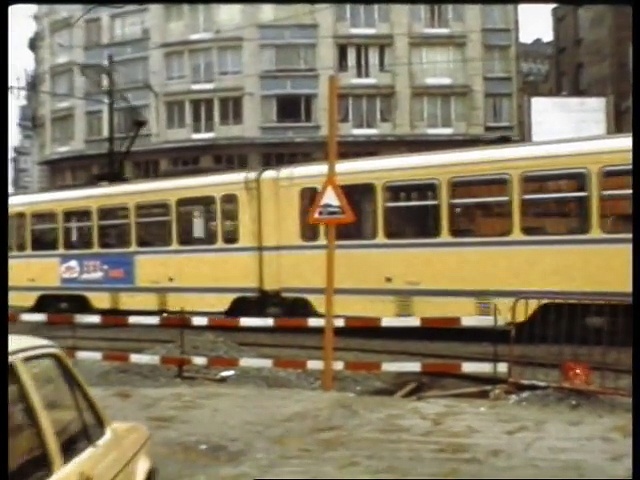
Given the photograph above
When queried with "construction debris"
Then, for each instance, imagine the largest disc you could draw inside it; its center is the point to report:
(407, 390)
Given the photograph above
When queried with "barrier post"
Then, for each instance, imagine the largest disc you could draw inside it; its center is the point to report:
(181, 345)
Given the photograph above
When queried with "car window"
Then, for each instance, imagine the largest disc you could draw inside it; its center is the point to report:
(75, 421)
(28, 459)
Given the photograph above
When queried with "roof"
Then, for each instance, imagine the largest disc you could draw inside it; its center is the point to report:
(368, 165)
(28, 342)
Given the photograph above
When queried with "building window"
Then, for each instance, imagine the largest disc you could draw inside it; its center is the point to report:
(364, 61)
(175, 115)
(230, 109)
(133, 72)
(95, 125)
(437, 17)
(62, 86)
(438, 111)
(94, 79)
(230, 162)
(229, 60)
(93, 33)
(183, 163)
(365, 111)
(201, 62)
(62, 131)
(61, 44)
(286, 58)
(125, 118)
(442, 62)
(278, 159)
(201, 116)
(128, 27)
(496, 16)
(288, 109)
(229, 15)
(174, 66)
(146, 168)
(498, 109)
(174, 13)
(200, 19)
(497, 61)
(360, 15)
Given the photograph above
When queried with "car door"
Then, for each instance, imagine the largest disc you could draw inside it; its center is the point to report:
(85, 447)
(28, 455)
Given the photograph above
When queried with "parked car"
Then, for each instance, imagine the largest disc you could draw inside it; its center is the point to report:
(56, 429)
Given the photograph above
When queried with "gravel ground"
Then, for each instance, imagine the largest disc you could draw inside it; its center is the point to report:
(217, 431)
(275, 423)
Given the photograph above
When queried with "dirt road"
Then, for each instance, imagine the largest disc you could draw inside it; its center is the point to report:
(213, 431)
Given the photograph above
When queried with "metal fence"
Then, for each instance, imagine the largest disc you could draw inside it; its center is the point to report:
(587, 342)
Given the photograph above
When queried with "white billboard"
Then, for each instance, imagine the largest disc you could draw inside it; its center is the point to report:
(560, 118)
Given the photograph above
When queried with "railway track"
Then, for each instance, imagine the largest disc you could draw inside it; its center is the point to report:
(308, 345)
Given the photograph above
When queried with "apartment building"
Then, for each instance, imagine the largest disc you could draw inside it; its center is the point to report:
(239, 86)
(592, 55)
(24, 161)
(534, 73)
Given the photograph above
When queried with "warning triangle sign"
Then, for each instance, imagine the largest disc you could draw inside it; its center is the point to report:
(331, 206)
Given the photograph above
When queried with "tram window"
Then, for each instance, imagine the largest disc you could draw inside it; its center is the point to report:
(616, 190)
(44, 231)
(153, 225)
(411, 210)
(78, 230)
(114, 227)
(229, 214)
(197, 221)
(17, 232)
(362, 199)
(480, 207)
(555, 203)
(308, 231)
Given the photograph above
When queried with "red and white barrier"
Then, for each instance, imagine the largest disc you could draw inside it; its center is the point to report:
(196, 321)
(293, 364)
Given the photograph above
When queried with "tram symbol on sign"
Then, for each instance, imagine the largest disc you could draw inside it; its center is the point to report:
(331, 206)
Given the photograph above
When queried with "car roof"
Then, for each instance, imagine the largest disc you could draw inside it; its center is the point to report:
(19, 343)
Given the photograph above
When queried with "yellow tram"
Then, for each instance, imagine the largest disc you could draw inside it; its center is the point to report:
(437, 234)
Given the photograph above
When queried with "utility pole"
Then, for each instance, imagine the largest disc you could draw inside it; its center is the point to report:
(114, 169)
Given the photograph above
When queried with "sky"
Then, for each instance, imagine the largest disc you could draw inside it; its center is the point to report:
(535, 22)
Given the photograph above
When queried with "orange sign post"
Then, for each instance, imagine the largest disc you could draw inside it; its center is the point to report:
(331, 208)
